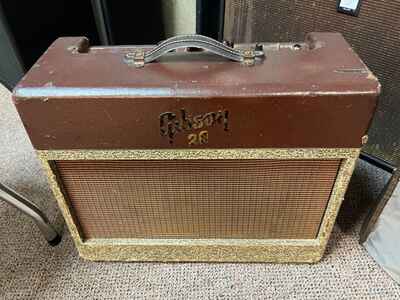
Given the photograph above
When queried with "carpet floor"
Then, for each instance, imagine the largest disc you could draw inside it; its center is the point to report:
(30, 269)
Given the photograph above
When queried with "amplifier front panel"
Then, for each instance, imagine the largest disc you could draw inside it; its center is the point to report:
(209, 205)
(198, 199)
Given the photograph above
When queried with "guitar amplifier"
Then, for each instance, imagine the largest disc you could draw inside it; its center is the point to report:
(236, 153)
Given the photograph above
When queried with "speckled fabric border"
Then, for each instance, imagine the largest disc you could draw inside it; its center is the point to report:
(216, 250)
(245, 153)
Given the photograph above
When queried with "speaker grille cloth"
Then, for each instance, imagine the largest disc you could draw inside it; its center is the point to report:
(256, 199)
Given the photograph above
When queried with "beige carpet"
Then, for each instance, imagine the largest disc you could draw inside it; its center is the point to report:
(30, 269)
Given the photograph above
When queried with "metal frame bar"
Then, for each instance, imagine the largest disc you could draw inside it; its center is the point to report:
(377, 162)
(376, 210)
(32, 211)
(11, 65)
(103, 22)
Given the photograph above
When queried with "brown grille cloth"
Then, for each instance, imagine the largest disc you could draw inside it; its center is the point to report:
(257, 199)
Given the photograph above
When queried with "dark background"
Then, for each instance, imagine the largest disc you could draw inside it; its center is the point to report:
(34, 25)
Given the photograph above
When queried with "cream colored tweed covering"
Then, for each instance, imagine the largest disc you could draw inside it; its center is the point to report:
(29, 269)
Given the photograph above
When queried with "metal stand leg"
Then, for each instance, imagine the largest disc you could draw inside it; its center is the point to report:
(28, 208)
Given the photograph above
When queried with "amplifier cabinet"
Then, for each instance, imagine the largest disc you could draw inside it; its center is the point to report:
(196, 157)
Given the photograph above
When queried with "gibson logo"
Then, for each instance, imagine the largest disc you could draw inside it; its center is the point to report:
(171, 124)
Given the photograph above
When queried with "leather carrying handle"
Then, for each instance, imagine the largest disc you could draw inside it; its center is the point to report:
(139, 57)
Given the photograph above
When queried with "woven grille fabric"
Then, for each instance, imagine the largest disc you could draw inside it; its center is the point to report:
(256, 199)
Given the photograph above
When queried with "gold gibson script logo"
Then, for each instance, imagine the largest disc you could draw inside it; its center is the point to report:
(171, 124)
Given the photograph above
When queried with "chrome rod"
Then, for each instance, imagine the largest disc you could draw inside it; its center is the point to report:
(31, 210)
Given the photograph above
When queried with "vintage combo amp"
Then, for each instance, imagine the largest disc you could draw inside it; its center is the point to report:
(232, 153)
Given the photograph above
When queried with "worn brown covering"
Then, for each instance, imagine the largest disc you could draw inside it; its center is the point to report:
(76, 97)
(374, 35)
